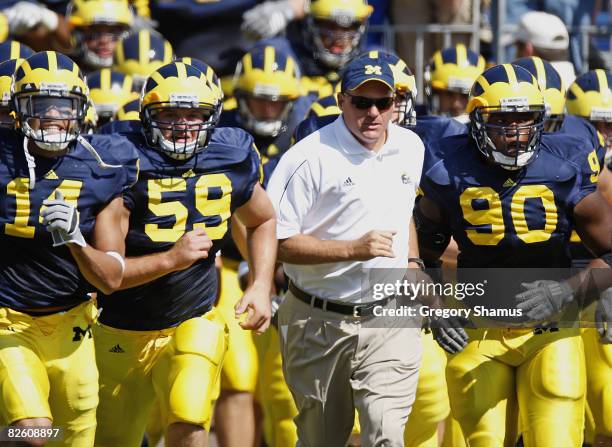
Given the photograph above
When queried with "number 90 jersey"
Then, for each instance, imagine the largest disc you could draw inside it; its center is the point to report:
(33, 273)
(503, 218)
(171, 198)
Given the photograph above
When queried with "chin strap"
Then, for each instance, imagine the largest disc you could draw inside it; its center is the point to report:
(31, 164)
(95, 154)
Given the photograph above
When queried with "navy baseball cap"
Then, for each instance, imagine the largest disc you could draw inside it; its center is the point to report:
(371, 66)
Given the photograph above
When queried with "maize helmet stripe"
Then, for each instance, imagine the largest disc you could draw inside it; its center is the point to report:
(144, 43)
(602, 78)
(269, 59)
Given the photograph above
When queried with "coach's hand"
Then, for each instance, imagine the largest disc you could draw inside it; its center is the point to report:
(191, 247)
(256, 303)
(449, 333)
(373, 244)
(603, 316)
(543, 299)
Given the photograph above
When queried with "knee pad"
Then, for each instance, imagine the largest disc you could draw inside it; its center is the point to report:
(558, 370)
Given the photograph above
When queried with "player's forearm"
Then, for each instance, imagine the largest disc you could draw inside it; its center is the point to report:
(306, 250)
(261, 243)
(101, 270)
(144, 269)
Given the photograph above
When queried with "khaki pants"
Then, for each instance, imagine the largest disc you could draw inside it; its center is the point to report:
(335, 363)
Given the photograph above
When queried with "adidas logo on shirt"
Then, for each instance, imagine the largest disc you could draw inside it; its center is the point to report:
(118, 349)
(509, 183)
(348, 182)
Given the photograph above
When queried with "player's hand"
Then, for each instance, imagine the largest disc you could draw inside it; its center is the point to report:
(25, 15)
(543, 299)
(603, 316)
(267, 19)
(61, 219)
(256, 303)
(373, 244)
(449, 333)
(191, 247)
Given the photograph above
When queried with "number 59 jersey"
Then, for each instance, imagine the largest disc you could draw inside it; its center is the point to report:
(171, 198)
(503, 218)
(33, 273)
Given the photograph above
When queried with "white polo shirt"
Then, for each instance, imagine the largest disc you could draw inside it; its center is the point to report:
(331, 187)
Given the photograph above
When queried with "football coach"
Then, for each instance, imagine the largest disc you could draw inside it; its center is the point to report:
(344, 198)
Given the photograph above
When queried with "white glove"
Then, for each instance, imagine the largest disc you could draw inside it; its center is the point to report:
(603, 316)
(146, 23)
(267, 19)
(62, 220)
(24, 15)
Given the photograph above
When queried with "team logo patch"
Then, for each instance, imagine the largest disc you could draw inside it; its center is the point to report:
(373, 70)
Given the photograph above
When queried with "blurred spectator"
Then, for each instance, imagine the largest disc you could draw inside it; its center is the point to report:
(422, 12)
(544, 35)
(573, 13)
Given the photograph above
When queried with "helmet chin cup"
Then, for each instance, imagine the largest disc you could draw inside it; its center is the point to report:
(49, 141)
(93, 60)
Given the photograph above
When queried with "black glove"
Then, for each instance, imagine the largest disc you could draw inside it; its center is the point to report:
(449, 333)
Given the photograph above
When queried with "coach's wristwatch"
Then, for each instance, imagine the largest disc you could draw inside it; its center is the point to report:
(417, 261)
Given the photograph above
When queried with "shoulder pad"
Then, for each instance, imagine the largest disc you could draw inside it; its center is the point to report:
(229, 145)
(438, 174)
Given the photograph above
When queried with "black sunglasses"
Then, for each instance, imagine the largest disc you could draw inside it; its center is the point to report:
(363, 103)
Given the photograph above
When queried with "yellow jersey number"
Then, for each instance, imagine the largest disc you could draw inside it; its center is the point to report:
(207, 207)
(70, 189)
(491, 221)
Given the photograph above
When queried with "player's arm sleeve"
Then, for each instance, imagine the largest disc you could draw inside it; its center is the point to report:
(292, 190)
(253, 174)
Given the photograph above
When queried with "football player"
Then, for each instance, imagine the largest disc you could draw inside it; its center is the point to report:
(448, 79)
(324, 41)
(509, 195)
(268, 103)
(98, 26)
(158, 339)
(109, 90)
(141, 53)
(60, 205)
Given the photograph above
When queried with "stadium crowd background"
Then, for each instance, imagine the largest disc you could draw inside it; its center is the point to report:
(118, 45)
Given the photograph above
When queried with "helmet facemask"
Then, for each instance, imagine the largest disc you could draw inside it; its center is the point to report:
(181, 138)
(510, 136)
(97, 32)
(51, 119)
(344, 32)
(264, 127)
(404, 113)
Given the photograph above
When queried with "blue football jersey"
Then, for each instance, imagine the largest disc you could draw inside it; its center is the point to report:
(170, 198)
(34, 274)
(502, 218)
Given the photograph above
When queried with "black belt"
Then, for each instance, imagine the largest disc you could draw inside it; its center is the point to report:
(355, 310)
